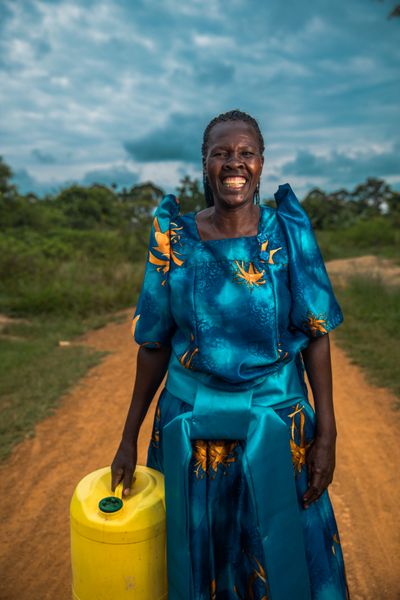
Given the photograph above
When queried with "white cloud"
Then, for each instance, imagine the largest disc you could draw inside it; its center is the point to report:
(77, 79)
(212, 41)
(63, 82)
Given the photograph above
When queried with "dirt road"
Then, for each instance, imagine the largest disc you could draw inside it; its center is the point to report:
(38, 480)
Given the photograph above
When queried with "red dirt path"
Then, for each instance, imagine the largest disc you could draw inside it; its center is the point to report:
(39, 478)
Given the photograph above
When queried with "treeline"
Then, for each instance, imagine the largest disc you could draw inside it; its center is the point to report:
(100, 207)
(343, 208)
(81, 251)
(76, 207)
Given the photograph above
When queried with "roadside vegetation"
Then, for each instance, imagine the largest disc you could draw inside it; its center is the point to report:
(370, 333)
(36, 371)
(363, 221)
(69, 262)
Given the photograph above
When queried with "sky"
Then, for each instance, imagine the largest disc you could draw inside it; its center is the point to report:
(114, 91)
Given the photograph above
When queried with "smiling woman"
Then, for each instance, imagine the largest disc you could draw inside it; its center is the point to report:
(232, 168)
(236, 304)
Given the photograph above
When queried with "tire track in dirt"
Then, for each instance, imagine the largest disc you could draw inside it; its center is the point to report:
(39, 478)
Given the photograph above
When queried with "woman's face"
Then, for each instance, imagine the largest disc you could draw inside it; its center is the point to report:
(233, 163)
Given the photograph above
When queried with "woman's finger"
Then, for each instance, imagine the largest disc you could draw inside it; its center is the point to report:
(116, 476)
(128, 476)
(312, 494)
(318, 483)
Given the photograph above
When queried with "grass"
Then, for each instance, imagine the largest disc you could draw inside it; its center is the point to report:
(371, 330)
(76, 287)
(35, 371)
(71, 274)
(377, 236)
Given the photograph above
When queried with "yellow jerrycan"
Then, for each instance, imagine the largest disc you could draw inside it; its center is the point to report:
(118, 545)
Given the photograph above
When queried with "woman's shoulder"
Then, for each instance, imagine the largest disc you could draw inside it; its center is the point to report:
(289, 211)
(285, 197)
(169, 216)
(168, 208)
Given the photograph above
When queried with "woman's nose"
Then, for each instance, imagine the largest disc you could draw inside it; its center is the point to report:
(234, 160)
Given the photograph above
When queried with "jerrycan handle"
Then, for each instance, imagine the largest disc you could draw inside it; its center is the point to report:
(119, 488)
(114, 503)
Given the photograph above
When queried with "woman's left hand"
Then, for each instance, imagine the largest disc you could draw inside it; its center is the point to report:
(321, 465)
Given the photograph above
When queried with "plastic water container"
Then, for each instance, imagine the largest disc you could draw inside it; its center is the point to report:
(118, 545)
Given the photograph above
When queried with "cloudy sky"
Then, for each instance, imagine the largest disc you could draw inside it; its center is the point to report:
(121, 91)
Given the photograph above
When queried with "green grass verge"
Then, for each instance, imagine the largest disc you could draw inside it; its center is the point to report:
(377, 236)
(371, 329)
(35, 371)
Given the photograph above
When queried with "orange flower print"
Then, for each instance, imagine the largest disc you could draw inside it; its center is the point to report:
(335, 539)
(315, 324)
(164, 241)
(251, 277)
(264, 246)
(298, 451)
(187, 356)
(133, 326)
(258, 574)
(213, 590)
(210, 455)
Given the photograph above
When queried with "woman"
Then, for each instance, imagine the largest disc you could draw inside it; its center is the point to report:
(236, 304)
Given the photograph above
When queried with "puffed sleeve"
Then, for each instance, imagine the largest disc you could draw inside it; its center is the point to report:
(314, 309)
(153, 324)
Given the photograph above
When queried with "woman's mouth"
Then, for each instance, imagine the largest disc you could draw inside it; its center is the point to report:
(234, 183)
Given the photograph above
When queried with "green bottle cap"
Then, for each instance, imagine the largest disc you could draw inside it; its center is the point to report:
(110, 504)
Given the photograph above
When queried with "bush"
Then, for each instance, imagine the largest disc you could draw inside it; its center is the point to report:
(69, 272)
(374, 236)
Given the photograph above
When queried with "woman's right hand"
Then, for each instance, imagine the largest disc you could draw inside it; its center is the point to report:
(123, 466)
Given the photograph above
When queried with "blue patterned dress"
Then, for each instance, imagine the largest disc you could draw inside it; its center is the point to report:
(237, 313)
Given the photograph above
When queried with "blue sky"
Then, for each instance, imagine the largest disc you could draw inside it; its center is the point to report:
(115, 90)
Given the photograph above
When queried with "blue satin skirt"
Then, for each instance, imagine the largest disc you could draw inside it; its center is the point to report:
(227, 548)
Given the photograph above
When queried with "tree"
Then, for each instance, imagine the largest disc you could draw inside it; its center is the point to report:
(138, 206)
(90, 207)
(143, 197)
(393, 206)
(317, 208)
(190, 195)
(15, 210)
(371, 197)
(7, 189)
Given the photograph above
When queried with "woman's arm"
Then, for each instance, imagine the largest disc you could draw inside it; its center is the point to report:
(152, 364)
(321, 455)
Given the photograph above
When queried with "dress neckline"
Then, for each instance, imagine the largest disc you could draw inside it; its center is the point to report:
(242, 237)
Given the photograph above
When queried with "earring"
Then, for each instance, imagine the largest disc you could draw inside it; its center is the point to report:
(256, 197)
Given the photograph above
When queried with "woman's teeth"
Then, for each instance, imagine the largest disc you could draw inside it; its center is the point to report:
(234, 182)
